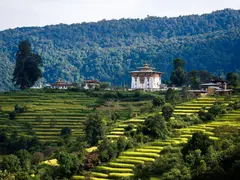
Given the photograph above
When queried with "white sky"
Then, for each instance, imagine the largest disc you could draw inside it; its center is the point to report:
(18, 13)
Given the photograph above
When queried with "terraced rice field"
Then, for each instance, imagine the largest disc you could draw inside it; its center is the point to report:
(124, 165)
(119, 130)
(57, 110)
(187, 108)
(190, 108)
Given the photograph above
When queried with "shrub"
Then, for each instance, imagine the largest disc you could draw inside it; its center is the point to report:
(11, 163)
(66, 131)
(12, 115)
(107, 150)
(167, 111)
(158, 101)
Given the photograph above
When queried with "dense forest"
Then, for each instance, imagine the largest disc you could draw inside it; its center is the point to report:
(108, 50)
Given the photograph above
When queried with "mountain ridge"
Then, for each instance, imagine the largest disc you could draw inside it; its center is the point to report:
(108, 50)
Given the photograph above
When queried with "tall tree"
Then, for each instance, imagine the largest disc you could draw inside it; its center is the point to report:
(95, 129)
(232, 78)
(27, 69)
(196, 77)
(178, 76)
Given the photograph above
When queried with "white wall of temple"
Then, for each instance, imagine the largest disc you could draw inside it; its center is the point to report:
(149, 83)
(133, 83)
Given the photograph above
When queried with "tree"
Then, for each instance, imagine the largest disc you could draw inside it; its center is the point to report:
(37, 158)
(158, 101)
(107, 150)
(12, 115)
(69, 163)
(155, 127)
(178, 76)
(167, 111)
(66, 131)
(11, 163)
(95, 128)
(122, 143)
(199, 141)
(25, 159)
(27, 69)
(104, 85)
(232, 78)
(196, 77)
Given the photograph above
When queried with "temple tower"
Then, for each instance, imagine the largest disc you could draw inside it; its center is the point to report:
(146, 78)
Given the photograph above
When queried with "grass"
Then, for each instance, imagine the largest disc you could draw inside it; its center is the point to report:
(127, 160)
(111, 169)
(141, 154)
(149, 150)
(121, 175)
(147, 159)
(102, 175)
(121, 165)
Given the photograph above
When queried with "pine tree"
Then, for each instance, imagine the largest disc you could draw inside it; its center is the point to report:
(27, 70)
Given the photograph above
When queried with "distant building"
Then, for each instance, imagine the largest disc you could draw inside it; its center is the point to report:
(60, 85)
(90, 84)
(218, 87)
(146, 78)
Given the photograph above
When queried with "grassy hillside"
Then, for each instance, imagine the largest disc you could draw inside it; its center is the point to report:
(127, 163)
(108, 50)
(46, 113)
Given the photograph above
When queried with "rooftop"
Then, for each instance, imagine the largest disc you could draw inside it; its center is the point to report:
(146, 68)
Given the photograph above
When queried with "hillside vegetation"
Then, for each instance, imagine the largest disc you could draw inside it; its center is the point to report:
(108, 50)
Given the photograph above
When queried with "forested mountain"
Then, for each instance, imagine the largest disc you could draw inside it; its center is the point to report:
(108, 50)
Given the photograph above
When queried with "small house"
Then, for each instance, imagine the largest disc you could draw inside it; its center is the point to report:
(61, 85)
(90, 84)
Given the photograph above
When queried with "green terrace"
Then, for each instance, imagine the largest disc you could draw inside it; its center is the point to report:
(54, 110)
(123, 166)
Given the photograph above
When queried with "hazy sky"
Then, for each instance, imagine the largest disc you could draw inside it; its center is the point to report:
(18, 13)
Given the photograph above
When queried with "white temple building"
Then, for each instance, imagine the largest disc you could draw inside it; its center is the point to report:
(146, 78)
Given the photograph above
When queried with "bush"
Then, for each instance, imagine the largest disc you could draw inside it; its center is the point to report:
(167, 111)
(158, 101)
(12, 115)
(107, 150)
(66, 131)
(200, 141)
(205, 116)
(11, 163)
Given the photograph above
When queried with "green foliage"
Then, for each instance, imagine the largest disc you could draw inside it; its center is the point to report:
(199, 141)
(37, 158)
(155, 127)
(205, 116)
(167, 111)
(180, 174)
(104, 85)
(178, 76)
(122, 144)
(66, 131)
(172, 96)
(217, 109)
(95, 129)
(232, 78)
(158, 101)
(12, 115)
(25, 159)
(109, 50)
(196, 77)
(11, 163)
(107, 150)
(27, 70)
(19, 109)
(69, 163)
